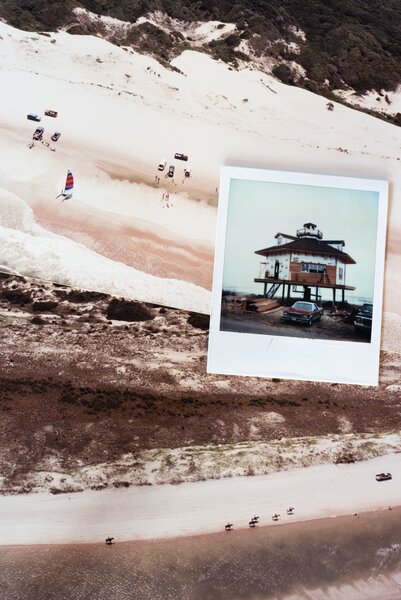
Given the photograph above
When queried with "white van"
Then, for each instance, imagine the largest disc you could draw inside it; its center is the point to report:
(162, 165)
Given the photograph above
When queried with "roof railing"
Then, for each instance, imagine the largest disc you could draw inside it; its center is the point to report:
(312, 232)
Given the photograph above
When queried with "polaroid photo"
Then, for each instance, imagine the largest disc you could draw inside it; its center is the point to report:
(298, 276)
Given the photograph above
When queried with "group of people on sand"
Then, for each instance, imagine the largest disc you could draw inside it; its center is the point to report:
(166, 202)
(165, 199)
(255, 520)
(32, 145)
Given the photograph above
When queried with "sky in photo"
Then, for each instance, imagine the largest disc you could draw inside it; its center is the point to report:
(257, 210)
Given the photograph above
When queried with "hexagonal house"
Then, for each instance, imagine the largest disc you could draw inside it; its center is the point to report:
(307, 263)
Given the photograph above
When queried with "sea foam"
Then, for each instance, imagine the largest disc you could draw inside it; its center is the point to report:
(31, 250)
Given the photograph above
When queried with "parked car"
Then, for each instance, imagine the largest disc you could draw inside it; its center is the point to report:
(38, 133)
(33, 117)
(51, 113)
(180, 156)
(363, 319)
(302, 312)
(383, 476)
(162, 165)
(187, 172)
(56, 136)
(171, 170)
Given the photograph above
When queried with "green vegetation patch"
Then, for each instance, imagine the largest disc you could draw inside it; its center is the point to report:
(150, 39)
(16, 296)
(353, 43)
(225, 49)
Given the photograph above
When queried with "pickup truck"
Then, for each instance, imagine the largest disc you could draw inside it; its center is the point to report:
(180, 156)
(38, 134)
(363, 319)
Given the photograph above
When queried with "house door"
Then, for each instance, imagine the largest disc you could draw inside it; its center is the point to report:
(276, 269)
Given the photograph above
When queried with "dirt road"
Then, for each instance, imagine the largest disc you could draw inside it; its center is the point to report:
(328, 328)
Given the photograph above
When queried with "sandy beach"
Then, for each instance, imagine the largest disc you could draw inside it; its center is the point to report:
(162, 511)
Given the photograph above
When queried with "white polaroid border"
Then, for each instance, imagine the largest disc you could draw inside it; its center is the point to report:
(291, 357)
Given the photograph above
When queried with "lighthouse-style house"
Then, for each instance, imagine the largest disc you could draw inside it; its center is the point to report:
(305, 262)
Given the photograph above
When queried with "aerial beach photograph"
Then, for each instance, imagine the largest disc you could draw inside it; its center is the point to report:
(126, 470)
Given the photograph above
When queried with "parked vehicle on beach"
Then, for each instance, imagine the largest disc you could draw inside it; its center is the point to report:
(56, 136)
(162, 165)
(383, 476)
(302, 312)
(180, 156)
(171, 170)
(38, 133)
(51, 113)
(33, 117)
(187, 172)
(363, 319)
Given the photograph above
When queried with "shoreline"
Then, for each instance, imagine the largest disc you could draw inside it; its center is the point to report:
(241, 531)
(173, 511)
(346, 558)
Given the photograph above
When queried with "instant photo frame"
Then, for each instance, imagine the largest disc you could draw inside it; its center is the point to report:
(328, 252)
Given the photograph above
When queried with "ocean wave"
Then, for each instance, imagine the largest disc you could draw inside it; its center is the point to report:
(16, 214)
(31, 250)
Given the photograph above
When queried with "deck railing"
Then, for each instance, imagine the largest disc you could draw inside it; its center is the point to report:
(263, 270)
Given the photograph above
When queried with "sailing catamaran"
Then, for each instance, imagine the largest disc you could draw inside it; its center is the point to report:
(66, 193)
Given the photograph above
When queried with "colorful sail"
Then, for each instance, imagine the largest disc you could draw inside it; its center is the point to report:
(69, 183)
(66, 192)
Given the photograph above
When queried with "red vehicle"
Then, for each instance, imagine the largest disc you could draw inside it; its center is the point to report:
(302, 312)
(180, 156)
(38, 134)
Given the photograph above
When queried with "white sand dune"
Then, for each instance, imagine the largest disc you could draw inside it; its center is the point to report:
(167, 510)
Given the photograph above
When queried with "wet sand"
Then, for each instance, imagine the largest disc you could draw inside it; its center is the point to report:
(355, 557)
(156, 252)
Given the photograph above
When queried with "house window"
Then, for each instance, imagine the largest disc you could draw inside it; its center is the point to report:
(340, 273)
(312, 268)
